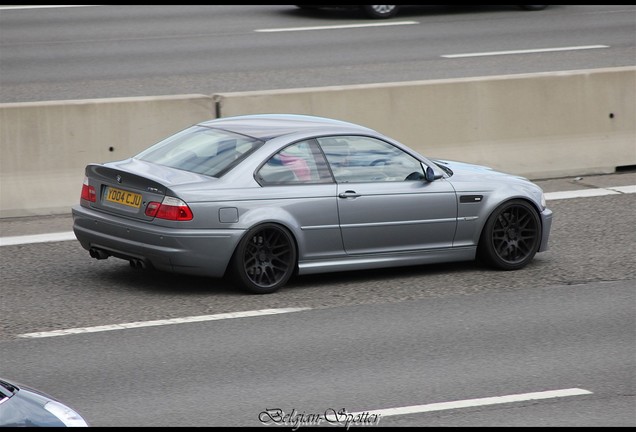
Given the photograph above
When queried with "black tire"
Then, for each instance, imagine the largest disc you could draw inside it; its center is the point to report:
(511, 236)
(264, 259)
(380, 11)
(533, 7)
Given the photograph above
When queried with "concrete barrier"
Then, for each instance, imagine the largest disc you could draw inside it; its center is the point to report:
(44, 146)
(536, 125)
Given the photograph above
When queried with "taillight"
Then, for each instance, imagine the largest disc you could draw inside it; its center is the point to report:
(170, 208)
(88, 191)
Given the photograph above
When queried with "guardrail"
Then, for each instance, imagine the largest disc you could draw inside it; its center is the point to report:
(541, 125)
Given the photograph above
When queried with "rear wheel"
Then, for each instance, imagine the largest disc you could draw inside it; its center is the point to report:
(380, 11)
(511, 236)
(264, 260)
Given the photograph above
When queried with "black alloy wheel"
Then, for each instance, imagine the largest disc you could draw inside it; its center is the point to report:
(511, 236)
(265, 259)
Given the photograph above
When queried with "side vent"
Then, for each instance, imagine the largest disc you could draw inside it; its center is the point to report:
(467, 199)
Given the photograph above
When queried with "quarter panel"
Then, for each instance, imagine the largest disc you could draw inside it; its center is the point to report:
(308, 211)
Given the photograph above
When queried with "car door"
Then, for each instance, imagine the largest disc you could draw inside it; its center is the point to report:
(384, 202)
(297, 181)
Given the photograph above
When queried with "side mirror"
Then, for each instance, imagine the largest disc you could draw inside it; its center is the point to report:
(430, 174)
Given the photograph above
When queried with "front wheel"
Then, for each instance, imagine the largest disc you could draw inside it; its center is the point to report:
(511, 236)
(264, 260)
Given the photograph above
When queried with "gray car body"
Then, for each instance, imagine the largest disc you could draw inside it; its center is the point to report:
(347, 226)
(22, 406)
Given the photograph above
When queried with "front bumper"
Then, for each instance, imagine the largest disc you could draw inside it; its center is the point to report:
(546, 223)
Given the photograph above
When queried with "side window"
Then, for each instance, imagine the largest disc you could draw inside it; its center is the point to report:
(365, 159)
(299, 163)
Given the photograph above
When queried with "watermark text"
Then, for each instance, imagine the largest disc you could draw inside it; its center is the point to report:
(296, 419)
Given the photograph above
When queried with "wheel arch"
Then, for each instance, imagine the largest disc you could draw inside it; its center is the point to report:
(290, 228)
(498, 205)
(258, 265)
(514, 247)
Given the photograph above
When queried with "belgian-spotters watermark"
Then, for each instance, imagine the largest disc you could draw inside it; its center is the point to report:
(296, 419)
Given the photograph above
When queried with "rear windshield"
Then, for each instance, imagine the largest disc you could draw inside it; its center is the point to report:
(201, 150)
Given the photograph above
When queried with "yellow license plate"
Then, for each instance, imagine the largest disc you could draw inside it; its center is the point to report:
(126, 198)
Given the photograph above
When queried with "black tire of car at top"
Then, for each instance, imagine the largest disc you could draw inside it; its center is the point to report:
(262, 239)
(372, 11)
(533, 7)
(487, 251)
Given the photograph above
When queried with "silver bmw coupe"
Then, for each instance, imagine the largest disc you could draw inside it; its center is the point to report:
(261, 198)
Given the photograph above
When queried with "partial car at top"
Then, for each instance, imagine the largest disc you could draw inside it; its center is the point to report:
(387, 11)
(23, 406)
(261, 198)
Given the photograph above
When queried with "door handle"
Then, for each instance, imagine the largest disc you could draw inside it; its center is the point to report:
(349, 194)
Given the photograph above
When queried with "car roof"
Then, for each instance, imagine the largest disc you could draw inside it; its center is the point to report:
(268, 126)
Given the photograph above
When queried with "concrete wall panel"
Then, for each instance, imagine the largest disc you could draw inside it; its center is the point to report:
(45, 146)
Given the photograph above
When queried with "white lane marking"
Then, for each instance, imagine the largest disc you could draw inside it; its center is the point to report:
(43, 6)
(586, 193)
(581, 193)
(440, 406)
(37, 238)
(333, 27)
(528, 51)
(138, 324)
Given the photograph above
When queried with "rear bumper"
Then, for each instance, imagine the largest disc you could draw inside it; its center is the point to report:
(188, 251)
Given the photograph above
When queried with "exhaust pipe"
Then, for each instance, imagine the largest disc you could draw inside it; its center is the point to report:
(137, 264)
(98, 254)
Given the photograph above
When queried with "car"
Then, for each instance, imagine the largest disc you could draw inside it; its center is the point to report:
(259, 198)
(23, 406)
(386, 11)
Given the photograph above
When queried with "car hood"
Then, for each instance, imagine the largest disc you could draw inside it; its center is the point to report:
(472, 178)
(25, 406)
(463, 170)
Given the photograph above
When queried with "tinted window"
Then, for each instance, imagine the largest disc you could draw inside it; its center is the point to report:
(365, 159)
(201, 150)
(298, 163)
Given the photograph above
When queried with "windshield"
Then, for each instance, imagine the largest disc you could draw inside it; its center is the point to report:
(446, 169)
(201, 150)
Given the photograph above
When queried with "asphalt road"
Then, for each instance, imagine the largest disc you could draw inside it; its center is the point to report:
(363, 340)
(120, 51)
(359, 357)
